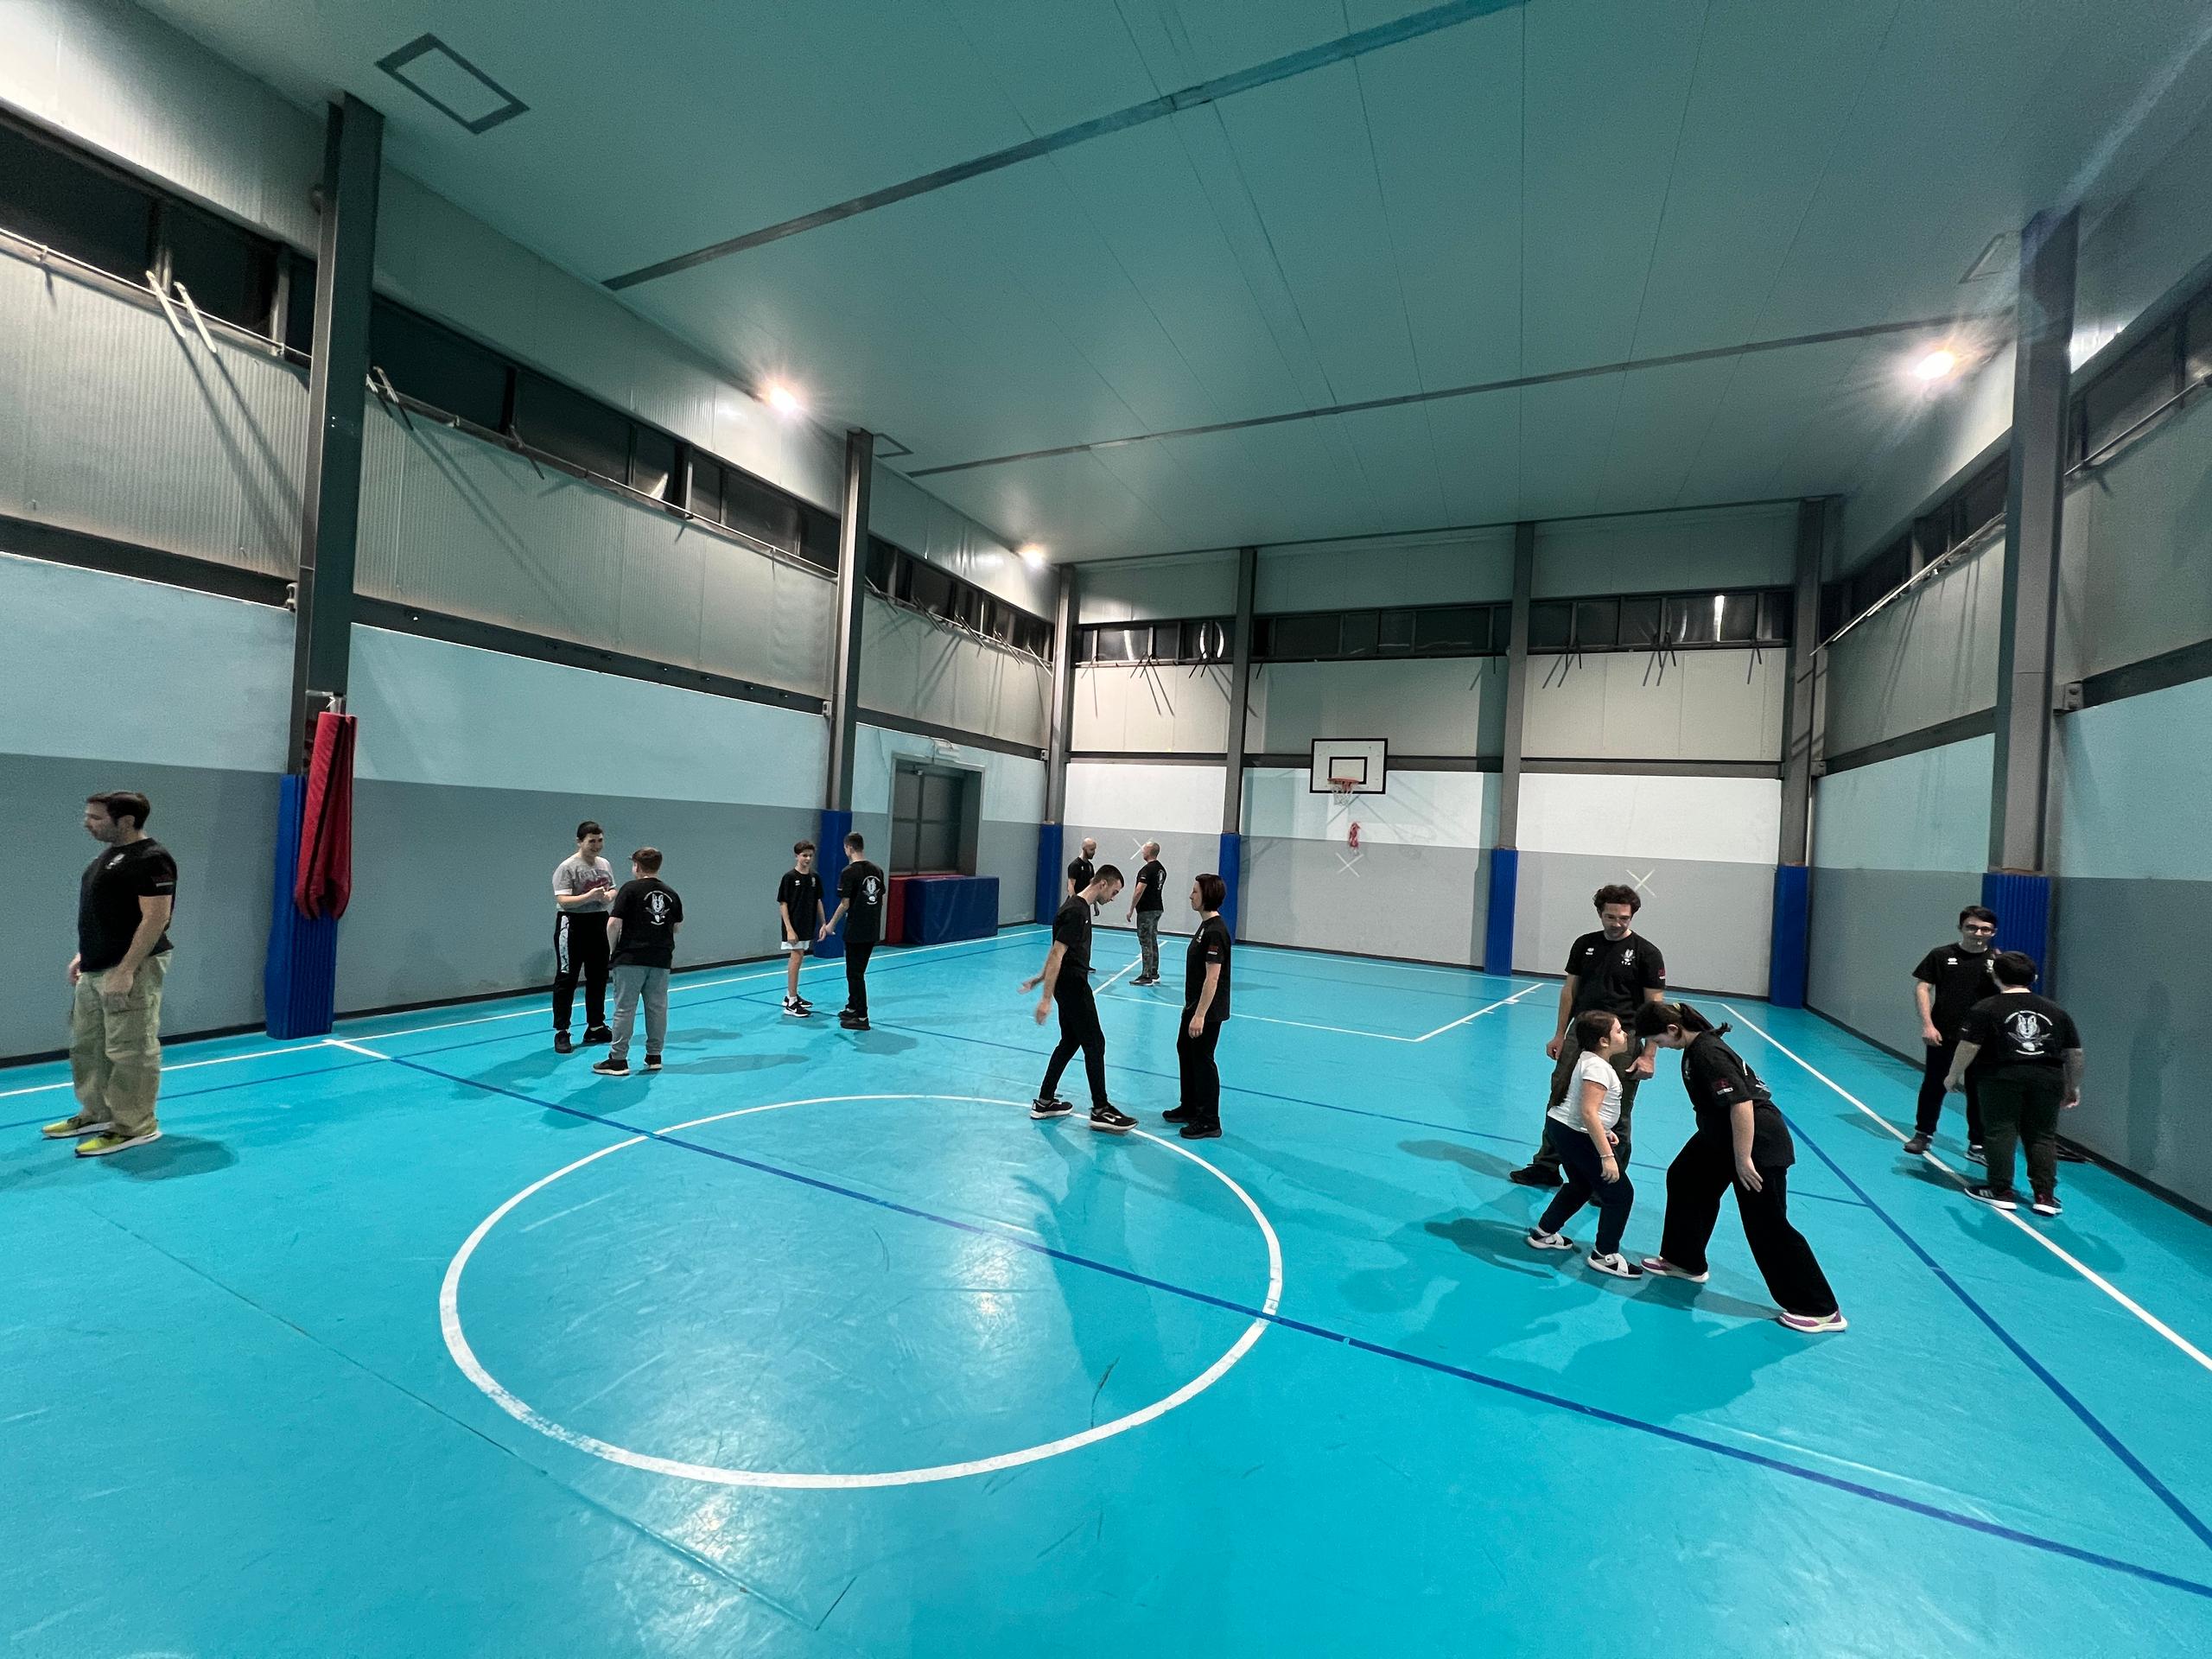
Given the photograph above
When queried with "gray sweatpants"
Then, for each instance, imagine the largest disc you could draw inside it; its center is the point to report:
(632, 982)
(1148, 941)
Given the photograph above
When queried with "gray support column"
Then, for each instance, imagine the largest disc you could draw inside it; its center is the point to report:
(1798, 699)
(852, 584)
(330, 495)
(2041, 377)
(1516, 685)
(1055, 752)
(1240, 693)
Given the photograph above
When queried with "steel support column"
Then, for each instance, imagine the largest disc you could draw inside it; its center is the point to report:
(1231, 860)
(852, 586)
(1056, 749)
(1787, 955)
(1505, 849)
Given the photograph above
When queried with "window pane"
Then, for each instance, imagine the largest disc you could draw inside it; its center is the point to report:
(299, 315)
(652, 462)
(905, 792)
(54, 199)
(439, 367)
(1361, 633)
(766, 514)
(571, 426)
(882, 563)
(1981, 501)
(2199, 331)
(817, 535)
(1448, 630)
(1395, 631)
(1774, 616)
(927, 588)
(1263, 637)
(1691, 620)
(999, 622)
(1307, 636)
(941, 795)
(229, 273)
(1551, 624)
(707, 486)
(1597, 623)
(1738, 617)
(1640, 621)
(1086, 644)
(2129, 390)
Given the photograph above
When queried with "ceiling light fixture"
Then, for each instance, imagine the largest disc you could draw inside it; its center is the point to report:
(1938, 365)
(783, 400)
(1034, 556)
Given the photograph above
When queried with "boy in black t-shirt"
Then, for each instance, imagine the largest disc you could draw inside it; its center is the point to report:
(1145, 908)
(640, 949)
(860, 906)
(1949, 981)
(2028, 1053)
(1615, 969)
(1066, 979)
(798, 905)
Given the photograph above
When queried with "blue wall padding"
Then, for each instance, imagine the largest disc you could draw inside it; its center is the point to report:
(299, 979)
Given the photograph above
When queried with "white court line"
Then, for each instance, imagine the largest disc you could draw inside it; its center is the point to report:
(1503, 1001)
(184, 1065)
(1349, 1030)
(2087, 1272)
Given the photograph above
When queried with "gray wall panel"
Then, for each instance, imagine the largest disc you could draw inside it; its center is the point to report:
(1185, 855)
(222, 827)
(1869, 928)
(1425, 903)
(2140, 1012)
(453, 888)
(1930, 657)
(1712, 921)
(1009, 852)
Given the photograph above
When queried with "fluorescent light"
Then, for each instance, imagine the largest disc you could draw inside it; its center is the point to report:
(1032, 556)
(783, 400)
(1939, 365)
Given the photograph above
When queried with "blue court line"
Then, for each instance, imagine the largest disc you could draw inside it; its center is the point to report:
(1856, 1488)
(2088, 1419)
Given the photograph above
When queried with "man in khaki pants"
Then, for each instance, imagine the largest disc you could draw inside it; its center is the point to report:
(123, 906)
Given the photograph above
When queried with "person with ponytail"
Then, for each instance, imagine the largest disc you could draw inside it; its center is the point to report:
(1742, 1141)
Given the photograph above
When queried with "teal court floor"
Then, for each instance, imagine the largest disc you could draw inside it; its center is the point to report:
(422, 1340)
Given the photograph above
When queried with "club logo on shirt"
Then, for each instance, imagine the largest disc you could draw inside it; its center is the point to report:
(658, 909)
(1628, 958)
(871, 891)
(2030, 1031)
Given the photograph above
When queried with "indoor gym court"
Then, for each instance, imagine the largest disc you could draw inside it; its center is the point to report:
(1493, 535)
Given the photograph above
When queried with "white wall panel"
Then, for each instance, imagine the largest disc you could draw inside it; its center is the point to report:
(1713, 820)
(201, 681)
(1165, 709)
(1180, 585)
(1419, 809)
(1465, 568)
(1930, 657)
(1437, 705)
(2138, 549)
(914, 667)
(435, 713)
(1658, 552)
(1160, 799)
(1701, 705)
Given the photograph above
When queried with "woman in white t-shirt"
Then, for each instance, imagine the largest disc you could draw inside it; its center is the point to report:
(1580, 1130)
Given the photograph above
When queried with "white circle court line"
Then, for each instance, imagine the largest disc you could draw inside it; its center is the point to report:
(522, 1412)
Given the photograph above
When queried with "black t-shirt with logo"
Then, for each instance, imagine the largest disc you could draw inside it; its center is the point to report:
(1210, 944)
(107, 900)
(1716, 1078)
(2018, 1028)
(859, 888)
(1151, 876)
(1961, 978)
(649, 911)
(1079, 874)
(1071, 927)
(800, 893)
(1614, 974)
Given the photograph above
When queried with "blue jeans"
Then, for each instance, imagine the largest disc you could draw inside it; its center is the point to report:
(1577, 1161)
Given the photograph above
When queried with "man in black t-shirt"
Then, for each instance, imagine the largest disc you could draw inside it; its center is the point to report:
(799, 906)
(1145, 908)
(641, 949)
(1205, 1005)
(1949, 981)
(860, 906)
(1066, 979)
(1618, 971)
(1080, 868)
(124, 902)
(2028, 1053)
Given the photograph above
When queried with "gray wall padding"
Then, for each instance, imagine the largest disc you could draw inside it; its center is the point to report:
(1427, 904)
(2140, 1011)
(222, 827)
(1712, 921)
(1869, 929)
(1184, 854)
(453, 888)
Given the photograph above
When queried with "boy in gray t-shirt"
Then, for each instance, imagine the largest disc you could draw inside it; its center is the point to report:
(583, 891)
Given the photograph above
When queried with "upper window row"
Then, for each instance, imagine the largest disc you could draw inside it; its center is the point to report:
(896, 575)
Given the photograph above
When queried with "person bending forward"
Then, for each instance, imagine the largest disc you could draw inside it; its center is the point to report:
(1066, 979)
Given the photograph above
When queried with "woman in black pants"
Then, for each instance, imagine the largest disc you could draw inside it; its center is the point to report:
(1741, 1140)
(1205, 1005)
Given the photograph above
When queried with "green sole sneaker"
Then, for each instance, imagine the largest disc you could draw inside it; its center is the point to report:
(72, 1129)
(100, 1146)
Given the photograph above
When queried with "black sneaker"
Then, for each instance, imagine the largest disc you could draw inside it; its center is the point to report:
(1536, 1175)
(1917, 1144)
(562, 1045)
(1146, 979)
(796, 1008)
(1052, 1106)
(1990, 1195)
(2047, 1204)
(652, 1062)
(1973, 1153)
(1206, 1131)
(611, 1067)
(1110, 1120)
(598, 1034)
(1179, 1115)
(853, 1021)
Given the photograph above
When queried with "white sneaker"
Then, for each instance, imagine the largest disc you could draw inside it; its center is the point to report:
(1617, 1264)
(1538, 1239)
(796, 1008)
(1666, 1269)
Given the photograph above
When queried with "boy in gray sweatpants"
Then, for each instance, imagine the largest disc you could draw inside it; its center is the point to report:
(641, 944)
